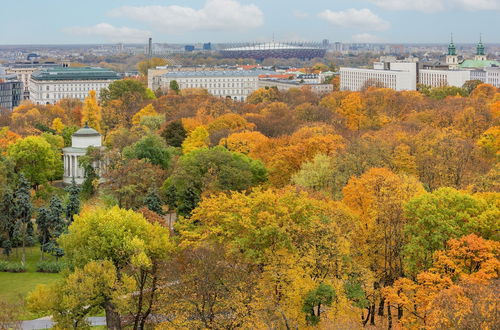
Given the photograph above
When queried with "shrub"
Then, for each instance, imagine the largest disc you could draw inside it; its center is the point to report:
(50, 266)
(12, 267)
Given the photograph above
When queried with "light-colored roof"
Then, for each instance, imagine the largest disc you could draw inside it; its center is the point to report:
(269, 45)
(478, 64)
(214, 73)
(86, 131)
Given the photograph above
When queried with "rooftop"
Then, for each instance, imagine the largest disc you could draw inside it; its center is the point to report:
(81, 73)
(86, 131)
(214, 73)
(478, 64)
(270, 45)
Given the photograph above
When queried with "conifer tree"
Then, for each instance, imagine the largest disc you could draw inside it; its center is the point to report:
(7, 222)
(73, 206)
(24, 210)
(57, 225)
(153, 202)
(42, 223)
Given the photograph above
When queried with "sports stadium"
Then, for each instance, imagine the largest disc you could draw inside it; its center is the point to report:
(275, 50)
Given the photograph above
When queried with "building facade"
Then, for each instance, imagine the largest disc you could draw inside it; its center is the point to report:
(11, 90)
(81, 140)
(48, 86)
(398, 76)
(23, 71)
(284, 85)
(236, 84)
(439, 78)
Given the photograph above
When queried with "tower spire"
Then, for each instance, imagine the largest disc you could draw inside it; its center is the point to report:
(480, 47)
(452, 50)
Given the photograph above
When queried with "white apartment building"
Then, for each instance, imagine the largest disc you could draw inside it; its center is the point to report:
(24, 72)
(395, 75)
(488, 75)
(438, 78)
(54, 84)
(236, 84)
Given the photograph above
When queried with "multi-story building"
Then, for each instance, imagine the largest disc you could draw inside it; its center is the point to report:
(51, 85)
(11, 90)
(285, 84)
(24, 70)
(236, 84)
(439, 78)
(489, 75)
(396, 75)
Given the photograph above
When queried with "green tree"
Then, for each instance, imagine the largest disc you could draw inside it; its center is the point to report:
(174, 86)
(153, 202)
(210, 170)
(57, 226)
(73, 205)
(35, 158)
(433, 219)
(315, 300)
(23, 210)
(131, 93)
(174, 134)
(7, 222)
(132, 245)
(151, 148)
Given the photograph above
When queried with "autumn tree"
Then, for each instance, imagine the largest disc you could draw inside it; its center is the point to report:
(198, 138)
(148, 110)
(174, 134)
(153, 62)
(35, 158)
(91, 112)
(434, 218)
(151, 148)
(378, 197)
(208, 171)
(116, 253)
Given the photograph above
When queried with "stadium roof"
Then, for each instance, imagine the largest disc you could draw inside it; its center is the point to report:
(269, 45)
(83, 73)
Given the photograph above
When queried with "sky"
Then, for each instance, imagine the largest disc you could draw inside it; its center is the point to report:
(192, 21)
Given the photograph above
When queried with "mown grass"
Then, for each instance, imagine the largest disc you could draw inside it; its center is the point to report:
(14, 287)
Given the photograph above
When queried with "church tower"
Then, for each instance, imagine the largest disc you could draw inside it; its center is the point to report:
(452, 57)
(480, 53)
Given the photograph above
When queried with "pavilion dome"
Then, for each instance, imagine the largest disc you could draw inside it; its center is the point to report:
(86, 137)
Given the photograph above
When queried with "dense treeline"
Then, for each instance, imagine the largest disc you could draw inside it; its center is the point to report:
(292, 209)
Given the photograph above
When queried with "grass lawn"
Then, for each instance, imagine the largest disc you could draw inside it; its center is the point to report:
(15, 286)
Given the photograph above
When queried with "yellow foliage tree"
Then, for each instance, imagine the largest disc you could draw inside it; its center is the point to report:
(91, 112)
(197, 139)
(57, 125)
(148, 110)
(244, 142)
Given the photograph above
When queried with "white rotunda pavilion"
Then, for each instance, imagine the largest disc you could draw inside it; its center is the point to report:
(82, 139)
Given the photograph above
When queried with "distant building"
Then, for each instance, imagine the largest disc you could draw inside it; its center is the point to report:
(189, 48)
(275, 50)
(236, 84)
(286, 84)
(488, 75)
(51, 85)
(81, 140)
(207, 46)
(24, 70)
(11, 90)
(395, 75)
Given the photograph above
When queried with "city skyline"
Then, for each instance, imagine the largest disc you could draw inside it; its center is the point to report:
(190, 21)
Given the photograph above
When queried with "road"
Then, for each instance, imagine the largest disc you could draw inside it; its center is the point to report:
(46, 323)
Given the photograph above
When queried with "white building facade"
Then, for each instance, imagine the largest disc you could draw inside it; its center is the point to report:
(81, 140)
(439, 78)
(52, 85)
(236, 84)
(398, 76)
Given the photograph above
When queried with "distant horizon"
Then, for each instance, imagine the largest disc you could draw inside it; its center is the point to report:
(357, 21)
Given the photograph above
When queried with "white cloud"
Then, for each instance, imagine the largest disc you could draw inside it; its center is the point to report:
(432, 6)
(363, 19)
(366, 37)
(215, 15)
(110, 32)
